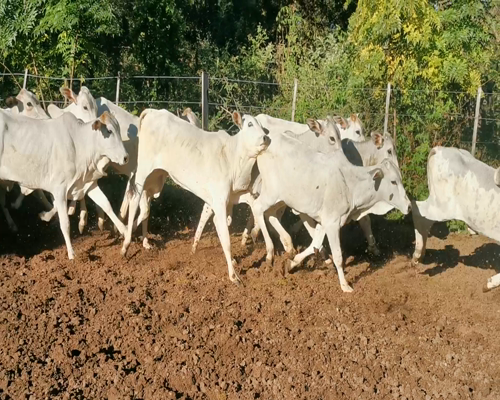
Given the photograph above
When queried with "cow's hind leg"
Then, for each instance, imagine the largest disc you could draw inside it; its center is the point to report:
(133, 205)
(422, 224)
(61, 206)
(40, 195)
(366, 226)
(316, 244)
(333, 233)
(10, 221)
(204, 217)
(96, 194)
(83, 216)
(285, 238)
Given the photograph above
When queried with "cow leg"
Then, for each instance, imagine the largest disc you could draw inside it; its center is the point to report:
(220, 221)
(333, 233)
(145, 207)
(316, 244)
(83, 216)
(133, 205)
(100, 218)
(285, 237)
(422, 224)
(366, 226)
(10, 221)
(259, 207)
(125, 202)
(205, 216)
(250, 224)
(493, 282)
(61, 205)
(19, 200)
(96, 194)
(72, 207)
(48, 215)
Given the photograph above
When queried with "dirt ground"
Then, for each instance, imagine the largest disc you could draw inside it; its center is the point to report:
(165, 324)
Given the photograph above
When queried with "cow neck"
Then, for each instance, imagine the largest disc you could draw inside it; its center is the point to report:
(240, 163)
(361, 186)
(87, 155)
(368, 152)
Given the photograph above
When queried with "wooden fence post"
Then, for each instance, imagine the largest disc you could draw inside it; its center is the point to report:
(204, 100)
(476, 120)
(387, 101)
(25, 78)
(294, 99)
(118, 89)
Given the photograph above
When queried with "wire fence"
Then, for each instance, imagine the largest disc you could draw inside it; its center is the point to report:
(471, 122)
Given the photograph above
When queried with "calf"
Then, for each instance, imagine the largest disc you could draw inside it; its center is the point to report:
(460, 187)
(62, 156)
(211, 165)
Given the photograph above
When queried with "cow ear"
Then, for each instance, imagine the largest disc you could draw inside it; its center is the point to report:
(315, 126)
(186, 111)
(378, 139)
(68, 94)
(237, 119)
(11, 102)
(341, 121)
(96, 126)
(354, 117)
(377, 174)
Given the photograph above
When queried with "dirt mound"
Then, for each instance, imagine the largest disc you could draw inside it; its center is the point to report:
(163, 324)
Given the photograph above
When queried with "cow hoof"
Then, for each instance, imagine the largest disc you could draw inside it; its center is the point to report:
(236, 279)
(291, 266)
(346, 288)
(81, 227)
(229, 220)
(373, 250)
(415, 262)
(486, 289)
(71, 210)
(100, 224)
(145, 244)
(71, 256)
(291, 254)
(193, 249)
(328, 262)
(254, 235)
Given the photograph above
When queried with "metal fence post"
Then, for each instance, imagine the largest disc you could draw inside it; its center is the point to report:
(118, 89)
(25, 78)
(204, 100)
(387, 101)
(294, 99)
(476, 120)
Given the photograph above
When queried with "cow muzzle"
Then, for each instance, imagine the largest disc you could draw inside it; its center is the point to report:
(125, 160)
(267, 141)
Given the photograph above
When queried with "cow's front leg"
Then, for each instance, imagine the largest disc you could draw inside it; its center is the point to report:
(220, 221)
(366, 226)
(285, 238)
(204, 217)
(333, 233)
(96, 194)
(61, 205)
(422, 227)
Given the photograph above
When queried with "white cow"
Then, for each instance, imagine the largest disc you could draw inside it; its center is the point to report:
(329, 190)
(460, 187)
(212, 165)
(62, 156)
(129, 133)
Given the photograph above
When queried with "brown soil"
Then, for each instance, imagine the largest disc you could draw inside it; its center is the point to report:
(163, 324)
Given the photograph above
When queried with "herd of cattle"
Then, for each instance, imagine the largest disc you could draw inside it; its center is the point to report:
(327, 172)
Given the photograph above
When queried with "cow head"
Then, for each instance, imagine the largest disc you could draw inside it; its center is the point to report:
(26, 103)
(350, 128)
(327, 129)
(388, 183)
(253, 136)
(385, 148)
(83, 106)
(110, 140)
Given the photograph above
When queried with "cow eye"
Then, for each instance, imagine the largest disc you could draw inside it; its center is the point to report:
(85, 108)
(250, 124)
(389, 152)
(394, 182)
(332, 138)
(358, 132)
(30, 104)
